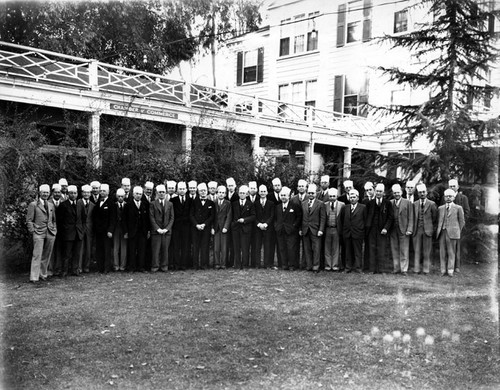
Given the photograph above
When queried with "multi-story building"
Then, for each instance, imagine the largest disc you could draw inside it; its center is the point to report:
(326, 55)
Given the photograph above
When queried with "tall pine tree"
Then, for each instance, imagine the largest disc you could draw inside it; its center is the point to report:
(457, 44)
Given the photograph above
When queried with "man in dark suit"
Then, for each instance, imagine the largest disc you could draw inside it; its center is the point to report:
(126, 186)
(287, 224)
(96, 189)
(118, 229)
(161, 216)
(42, 224)
(401, 231)
(243, 218)
(463, 201)
(137, 225)
(84, 210)
(450, 225)
(410, 191)
(148, 192)
(379, 222)
(100, 221)
(221, 227)
(212, 191)
(332, 237)
(344, 198)
(264, 219)
(313, 227)
(171, 184)
(352, 222)
(182, 228)
(301, 194)
(425, 219)
(348, 186)
(367, 201)
(253, 197)
(323, 191)
(232, 194)
(202, 217)
(274, 196)
(57, 250)
(71, 237)
(192, 188)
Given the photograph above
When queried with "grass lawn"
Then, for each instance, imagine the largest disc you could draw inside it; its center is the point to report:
(252, 329)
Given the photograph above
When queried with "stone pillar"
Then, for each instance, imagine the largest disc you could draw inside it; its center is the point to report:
(308, 160)
(186, 138)
(94, 147)
(347, 162)
(256, 150)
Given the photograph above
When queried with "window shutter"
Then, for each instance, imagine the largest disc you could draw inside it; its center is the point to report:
(239, 68)
(367, 20)
(363, 97)
(260, 65)
(341, 25)
(338, 94)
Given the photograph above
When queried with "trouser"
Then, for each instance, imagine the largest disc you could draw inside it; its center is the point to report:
(241, 248)
(312, 248)
(71, 260)
(182, 245)
(119, 250)
(55, 262)
(354, 252)
(42, 250)
(137, 252)
(400, 248)
(263, 238)
(159, 251)
(422, 244)
(332, 248)
(378, 244)
(220, 248)
(287, 247)
(85, 253)
(447, 251)
(103, 248)
(201, 245)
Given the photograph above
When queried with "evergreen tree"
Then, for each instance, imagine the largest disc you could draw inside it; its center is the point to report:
(458, 46)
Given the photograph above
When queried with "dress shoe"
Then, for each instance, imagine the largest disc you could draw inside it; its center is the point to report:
(404, 274)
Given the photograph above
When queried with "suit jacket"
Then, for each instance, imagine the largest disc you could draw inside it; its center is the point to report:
(101, 216)
(145, 199)
(403, 215)
(93, 200)
(339, 206)
(430, 216)
(323, 195)
(379, 217)
(352, 224)
(455, 222)
(289, 220)
(272, 197)
(344, 198)
(182, 211)
(313, 220)
(296, 199)
(265, 214)
(161, 219)
(247, 212)
(200, 214)
(256, 197)
(461, 200)
(117, 218)
(137, 219)
(67, 221)
(84, 218)
(39, 220)
(233, 197)
(223, 215)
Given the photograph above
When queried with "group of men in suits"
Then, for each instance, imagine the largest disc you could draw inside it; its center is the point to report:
(249, 227)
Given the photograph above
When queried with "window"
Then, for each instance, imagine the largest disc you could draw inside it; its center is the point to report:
(298, 93)
(350, 97)
(354, 14)
(300, 36)
(250, 66)
(310, 99)
(350, 94)
(401, 21)
(354, 22)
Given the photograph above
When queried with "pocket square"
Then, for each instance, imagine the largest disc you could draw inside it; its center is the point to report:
(209, 207)
(291, 210)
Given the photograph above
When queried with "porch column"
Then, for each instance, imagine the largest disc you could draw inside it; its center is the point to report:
(256, 149)
(186, 138)
(347, 162)
(94, 155)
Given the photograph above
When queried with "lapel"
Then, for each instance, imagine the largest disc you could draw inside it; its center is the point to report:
(41, 206)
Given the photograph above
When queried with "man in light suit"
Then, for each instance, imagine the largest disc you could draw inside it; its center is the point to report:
(137, 225)
(460, 200)
(379, 222)
(287, 224)
(264, 219)
(42, 224)
(202, 216)
(220, 228)
(243, 218)
(450, 224)
(352, 222)
(103, 237)
(410, 191)
(424, 226)
(71, 236)
(312, 229)
(401, 231)
(161, 215)
(118, 229)
(332, 237)
(84, 209)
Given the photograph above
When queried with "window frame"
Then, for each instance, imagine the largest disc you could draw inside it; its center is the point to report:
(303, 30)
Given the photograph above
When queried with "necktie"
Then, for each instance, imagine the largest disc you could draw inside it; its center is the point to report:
(161, 202)
(220, 203)
(352, 208)
(46, 205)
(263, 202)
(332, 206)
(182, 199)
(138, 204)
(310, 205)
(203, 202)
(284, 208)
